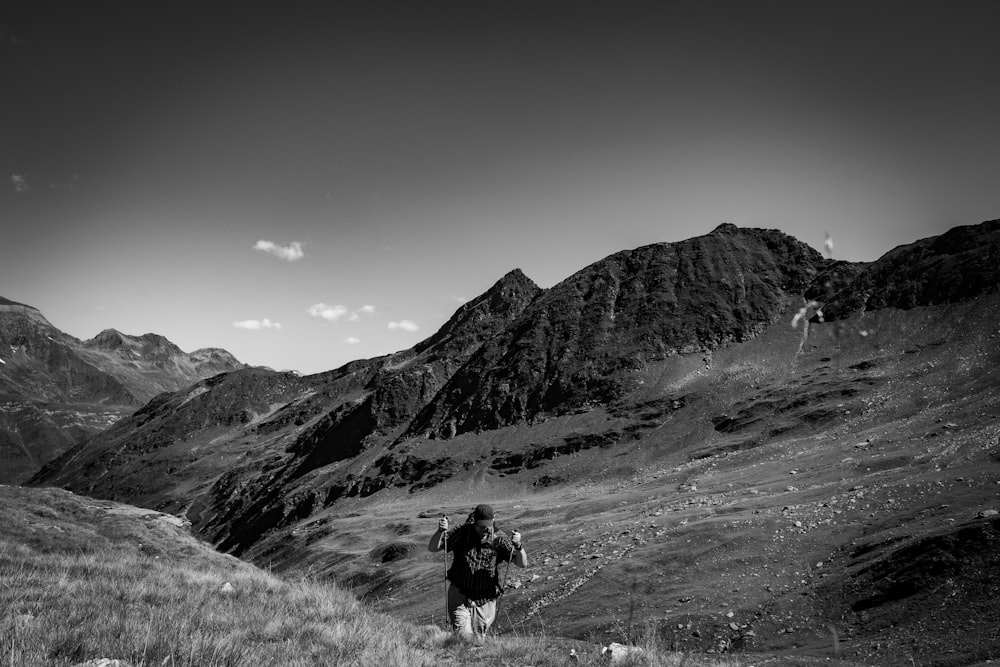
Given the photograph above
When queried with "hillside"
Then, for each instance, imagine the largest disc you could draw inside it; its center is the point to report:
(680, 446)
(56, 390)
(89, 580)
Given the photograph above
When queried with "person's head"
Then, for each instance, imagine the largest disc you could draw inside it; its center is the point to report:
(482, 519)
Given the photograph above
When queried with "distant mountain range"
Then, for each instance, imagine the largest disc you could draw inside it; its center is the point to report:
(686, 393)
(56, 390)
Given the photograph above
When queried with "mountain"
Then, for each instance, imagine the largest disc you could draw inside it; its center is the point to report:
(315, 422)
(584, 340)
(730, 439)
(56, 390)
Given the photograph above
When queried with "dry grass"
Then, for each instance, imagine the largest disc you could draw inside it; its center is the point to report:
(78, 582)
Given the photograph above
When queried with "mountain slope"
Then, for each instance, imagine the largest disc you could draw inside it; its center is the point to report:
(56, 390)
(585, 339)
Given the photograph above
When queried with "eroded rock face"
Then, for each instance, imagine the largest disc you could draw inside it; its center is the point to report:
(582, 340)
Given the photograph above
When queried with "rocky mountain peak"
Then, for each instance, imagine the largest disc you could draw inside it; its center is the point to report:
(726, 228)
(150, 346)
(484, 316)
(582, 340)
(109, 339)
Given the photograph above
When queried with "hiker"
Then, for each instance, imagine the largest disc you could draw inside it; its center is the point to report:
(474, 582)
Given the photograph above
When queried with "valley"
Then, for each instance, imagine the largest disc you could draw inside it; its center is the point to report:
(684, 454)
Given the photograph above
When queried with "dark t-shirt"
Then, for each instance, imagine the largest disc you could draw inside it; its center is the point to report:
(474, 567)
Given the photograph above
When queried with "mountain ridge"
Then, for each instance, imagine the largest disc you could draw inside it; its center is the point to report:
(633, 299)
(58, 390)
(962, 262)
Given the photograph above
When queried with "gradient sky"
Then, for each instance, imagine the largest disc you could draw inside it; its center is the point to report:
(342, 175)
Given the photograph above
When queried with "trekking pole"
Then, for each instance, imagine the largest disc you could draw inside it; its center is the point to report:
(503, 586)
(447, 620)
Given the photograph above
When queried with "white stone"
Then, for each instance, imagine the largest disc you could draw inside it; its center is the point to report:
(617, 653)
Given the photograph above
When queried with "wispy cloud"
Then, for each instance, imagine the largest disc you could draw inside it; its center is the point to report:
(363, 310)
(290, 253)
(328, 313)
(352, 340)
(255, 325)
(405, 325)
(20, 182)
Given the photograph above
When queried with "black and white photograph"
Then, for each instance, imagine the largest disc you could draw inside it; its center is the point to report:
(492, 332)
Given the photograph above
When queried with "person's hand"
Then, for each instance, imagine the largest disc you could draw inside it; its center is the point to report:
(515, 537)
(443, 524)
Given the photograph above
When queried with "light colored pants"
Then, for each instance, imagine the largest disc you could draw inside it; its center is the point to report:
(467, 617)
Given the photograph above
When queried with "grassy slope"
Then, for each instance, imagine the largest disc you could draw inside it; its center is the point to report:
(82, 579)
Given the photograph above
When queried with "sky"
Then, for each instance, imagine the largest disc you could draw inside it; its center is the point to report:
(305, 184)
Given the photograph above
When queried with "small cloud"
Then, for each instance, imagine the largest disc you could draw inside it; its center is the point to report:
(352, 340)
(406, 325)
(328, 313)
(20, 182)
(458, 299)
(255, 325)
(363, 310)
(290, 253)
